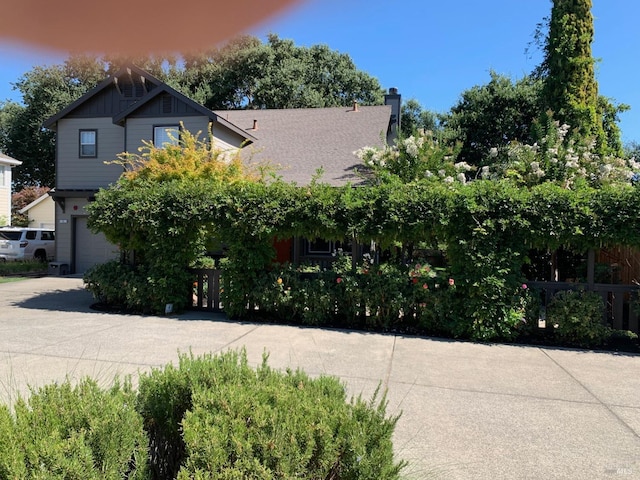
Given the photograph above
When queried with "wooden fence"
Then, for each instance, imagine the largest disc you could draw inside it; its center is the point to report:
(618, 312)
(206, 290)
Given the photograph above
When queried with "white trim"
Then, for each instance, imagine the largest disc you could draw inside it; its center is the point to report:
(9, 161)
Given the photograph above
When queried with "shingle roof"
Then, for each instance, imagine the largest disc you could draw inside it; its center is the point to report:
(302, 140)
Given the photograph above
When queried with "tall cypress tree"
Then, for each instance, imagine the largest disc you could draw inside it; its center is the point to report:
(570, 89)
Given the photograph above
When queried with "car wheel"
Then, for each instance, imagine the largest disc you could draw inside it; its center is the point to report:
(40, 255)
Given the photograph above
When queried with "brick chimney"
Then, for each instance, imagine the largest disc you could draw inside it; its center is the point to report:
(394, 99)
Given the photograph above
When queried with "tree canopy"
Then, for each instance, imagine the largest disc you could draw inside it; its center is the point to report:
(246, 73)
(493, 115)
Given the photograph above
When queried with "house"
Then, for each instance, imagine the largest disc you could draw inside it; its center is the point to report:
(6, 164)
(132, 106)
(41, 212)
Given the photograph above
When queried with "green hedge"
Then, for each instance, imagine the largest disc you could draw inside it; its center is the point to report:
(485, 227)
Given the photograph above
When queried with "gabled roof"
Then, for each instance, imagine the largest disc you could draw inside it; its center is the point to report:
(7, 160)
(131, 69)
(164, 88)
(37, 201)
(303, 140)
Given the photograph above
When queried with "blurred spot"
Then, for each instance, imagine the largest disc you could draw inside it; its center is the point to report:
(135, 27)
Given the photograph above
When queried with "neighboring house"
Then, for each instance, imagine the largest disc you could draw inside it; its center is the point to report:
(41, 212)
(6, 164)
(132, 106)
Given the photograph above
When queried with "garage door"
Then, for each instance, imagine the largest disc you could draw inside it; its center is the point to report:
(90, 249)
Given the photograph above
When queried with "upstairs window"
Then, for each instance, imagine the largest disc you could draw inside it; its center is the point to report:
(88, 143)
(166, 135)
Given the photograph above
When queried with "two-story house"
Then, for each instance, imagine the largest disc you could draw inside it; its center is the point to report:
(132, 106)
(6, 164)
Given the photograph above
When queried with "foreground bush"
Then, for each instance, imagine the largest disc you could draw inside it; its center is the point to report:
(215, 417)
(212, 417)
(81, 432)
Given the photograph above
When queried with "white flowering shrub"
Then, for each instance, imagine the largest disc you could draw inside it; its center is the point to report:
(420, 156)
(556, 157)
(568, 162)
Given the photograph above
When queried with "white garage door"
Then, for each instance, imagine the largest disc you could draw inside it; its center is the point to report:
(90, 249)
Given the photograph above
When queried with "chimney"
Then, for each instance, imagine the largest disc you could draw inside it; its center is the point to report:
(394, 99)
(255, 124)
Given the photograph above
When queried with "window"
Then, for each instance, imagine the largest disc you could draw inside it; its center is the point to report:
(319, 246)
(88, 143)
(166, 135)
(3, 177)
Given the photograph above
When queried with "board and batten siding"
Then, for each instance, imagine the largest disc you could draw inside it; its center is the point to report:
(75, 172)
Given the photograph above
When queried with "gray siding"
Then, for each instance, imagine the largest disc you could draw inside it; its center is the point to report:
(225, 138)
(73, 246)
(139, 129)
(74, 172)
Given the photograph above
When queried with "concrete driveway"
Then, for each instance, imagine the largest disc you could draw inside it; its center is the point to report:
(469, 411)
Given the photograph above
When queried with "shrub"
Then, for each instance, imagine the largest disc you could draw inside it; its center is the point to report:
(218, 418)
(577, 318)
(138, 289)
(22, 266)
(81, 432)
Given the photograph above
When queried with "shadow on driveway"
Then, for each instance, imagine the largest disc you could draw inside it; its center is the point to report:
(75, 300)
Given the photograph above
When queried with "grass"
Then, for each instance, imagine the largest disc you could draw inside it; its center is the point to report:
(22, 267)
(12, 279)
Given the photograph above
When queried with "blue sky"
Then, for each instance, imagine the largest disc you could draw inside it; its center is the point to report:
(431, 50)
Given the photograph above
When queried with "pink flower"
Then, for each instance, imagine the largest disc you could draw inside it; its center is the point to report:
(452, 282)
(425, 286)
(524, 286)
(339, 280)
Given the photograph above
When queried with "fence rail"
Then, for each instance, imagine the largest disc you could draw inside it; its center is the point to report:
(618, 312)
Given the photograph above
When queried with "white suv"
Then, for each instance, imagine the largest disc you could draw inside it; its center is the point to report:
(27, 244)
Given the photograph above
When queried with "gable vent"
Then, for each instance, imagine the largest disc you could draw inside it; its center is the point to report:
(166, 104)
